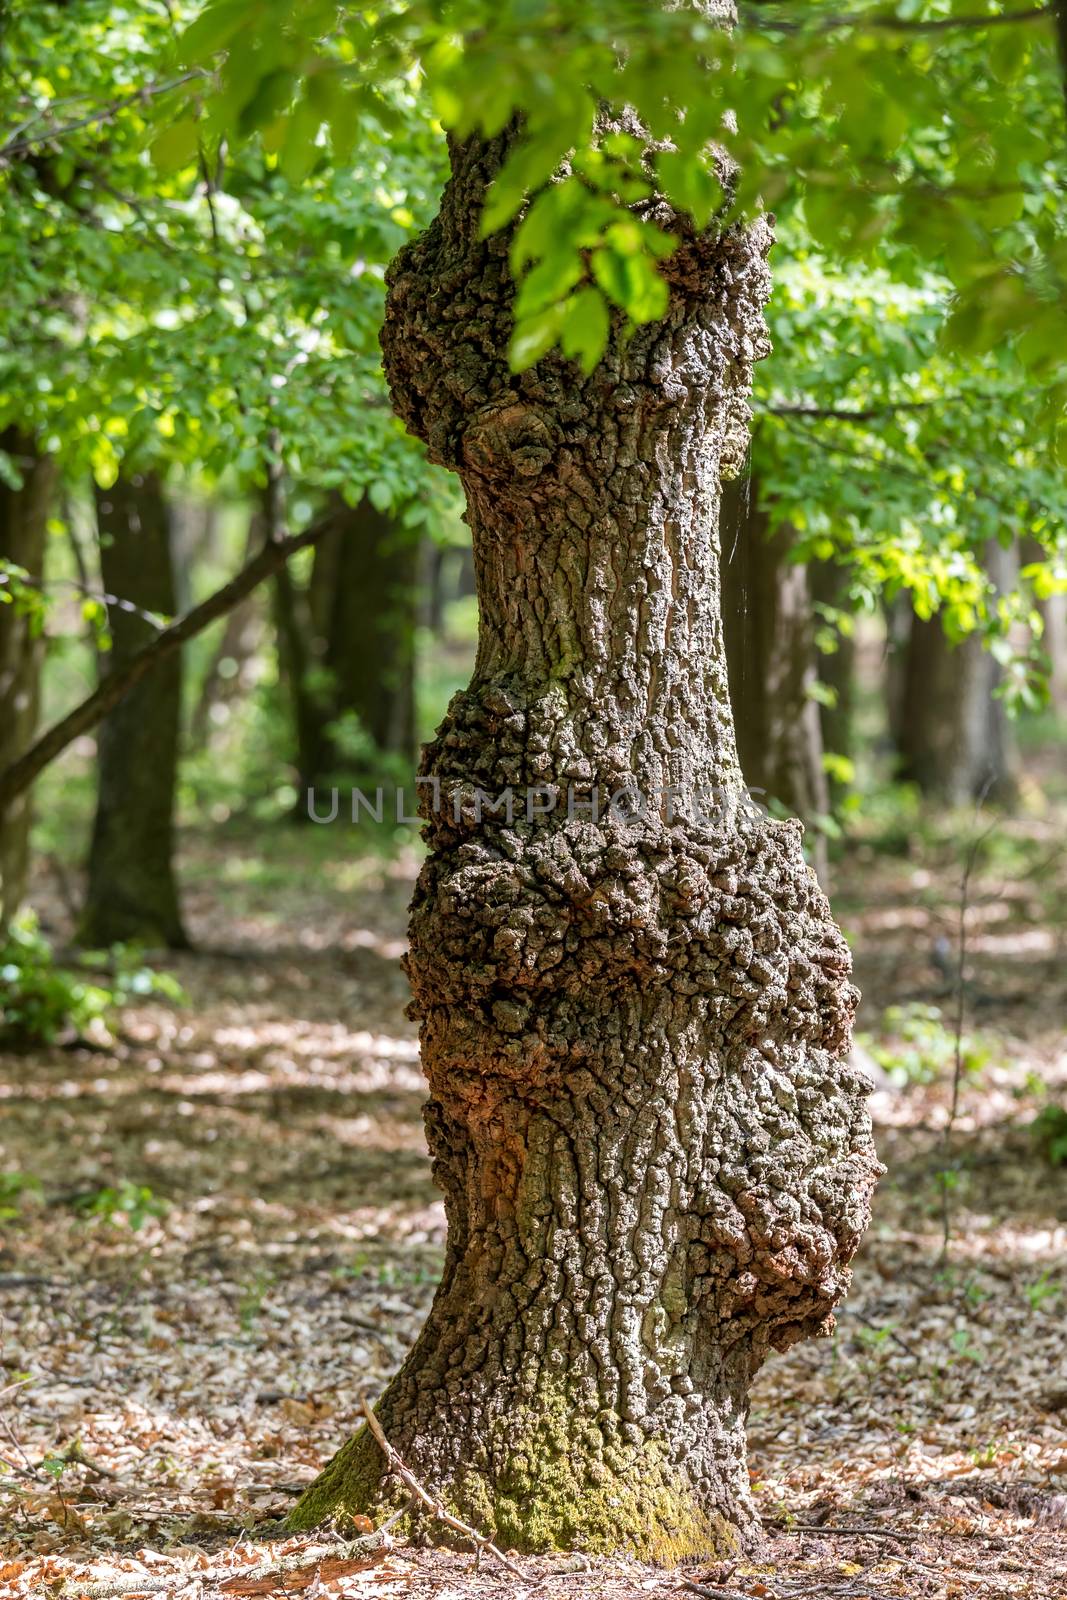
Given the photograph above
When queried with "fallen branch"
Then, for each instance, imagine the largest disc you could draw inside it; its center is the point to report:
(18, 777)
(409, 1480)
(139, 1583)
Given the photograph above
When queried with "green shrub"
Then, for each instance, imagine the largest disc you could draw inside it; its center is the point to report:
(917, 1047)
(40, 1000)
(1049, 1132)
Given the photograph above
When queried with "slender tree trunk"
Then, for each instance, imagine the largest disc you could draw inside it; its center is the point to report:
(307, 703)
(370, 651)
(954, 739)
(655, 1159)
(432, 558)
(1055, 614)
(23, 525)
(770, 650)
(132, 894)
(835, 668)
(349, 642)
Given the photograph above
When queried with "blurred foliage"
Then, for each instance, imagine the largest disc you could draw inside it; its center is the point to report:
(1049, 1132)
(917, 131)
(41, 1000)
(915, 1046)
(198, 204)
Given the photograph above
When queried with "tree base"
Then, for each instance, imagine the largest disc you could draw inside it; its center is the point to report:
(550, 1480)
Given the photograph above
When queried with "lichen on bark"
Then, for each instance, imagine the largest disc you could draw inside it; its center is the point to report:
(655, 1157)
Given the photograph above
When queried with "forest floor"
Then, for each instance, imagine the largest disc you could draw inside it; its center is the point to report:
(235, 1236)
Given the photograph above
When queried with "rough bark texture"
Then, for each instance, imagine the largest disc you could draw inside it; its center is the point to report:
(132, 894)
(655, 1159)
(768, 627)
(23, 517)
(953, 736)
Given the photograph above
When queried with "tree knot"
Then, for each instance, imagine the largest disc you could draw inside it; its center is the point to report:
(510, 440)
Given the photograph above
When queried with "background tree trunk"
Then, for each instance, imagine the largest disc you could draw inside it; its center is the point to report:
(768, 626)
(348, 643)
(954, 738)
(23, 526)
(836, 668)
(370, 623)
(656, 1160)
(132, 894)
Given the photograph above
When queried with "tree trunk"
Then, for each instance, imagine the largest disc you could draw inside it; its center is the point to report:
(836, 669)
(349, 642)
(131, 893)
(23, 526)
(770, 650)
(307, 706)
(655, 1159)
(370, 637)
(1054, 610)
(954, 739)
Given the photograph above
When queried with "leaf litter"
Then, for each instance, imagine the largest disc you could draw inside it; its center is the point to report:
(175, 1367)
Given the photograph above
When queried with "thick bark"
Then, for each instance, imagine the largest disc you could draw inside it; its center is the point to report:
(656, 1161)
(132, 894)
(23, 519)
(768, 627)
(953, 736)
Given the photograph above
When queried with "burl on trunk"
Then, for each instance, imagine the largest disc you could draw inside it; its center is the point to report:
(655, 1158)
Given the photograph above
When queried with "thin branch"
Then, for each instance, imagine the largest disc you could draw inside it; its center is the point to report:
(887, 22)
(22, 146)
(114, 602)
(845, 414)
(311, 1555)
(409, 1480)
(17, 777)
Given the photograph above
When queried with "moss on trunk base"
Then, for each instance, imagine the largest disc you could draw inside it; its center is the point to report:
(562, 1486)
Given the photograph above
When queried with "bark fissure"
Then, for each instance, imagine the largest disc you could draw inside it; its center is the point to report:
(655, 1159)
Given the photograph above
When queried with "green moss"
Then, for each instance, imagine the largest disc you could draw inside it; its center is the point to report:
(564, 1485)
(348, 1486)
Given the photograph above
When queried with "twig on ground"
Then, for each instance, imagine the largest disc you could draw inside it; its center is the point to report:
(138, 1583)
(863, 1531)
(409, 1480)
(712, 1591)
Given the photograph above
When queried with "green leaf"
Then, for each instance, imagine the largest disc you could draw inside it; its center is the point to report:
(533, 338)
(586, 326)
(212, 31)
(176, 146)
(690, 185)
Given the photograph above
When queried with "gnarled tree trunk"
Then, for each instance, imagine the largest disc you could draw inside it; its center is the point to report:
(23, 525)
(655, 1159)
(132, 894)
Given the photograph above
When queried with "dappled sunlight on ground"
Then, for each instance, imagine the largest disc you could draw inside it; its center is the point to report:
(174, 1383)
